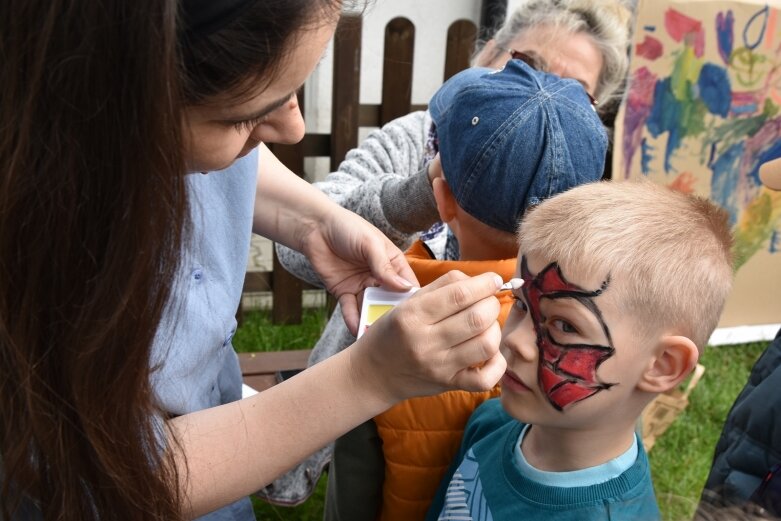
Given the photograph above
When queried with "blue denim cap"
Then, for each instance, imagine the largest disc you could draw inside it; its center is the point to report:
(509, 139)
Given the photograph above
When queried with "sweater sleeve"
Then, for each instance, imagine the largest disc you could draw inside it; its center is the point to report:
(385, 181)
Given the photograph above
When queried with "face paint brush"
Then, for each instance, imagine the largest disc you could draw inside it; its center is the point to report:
(513, 284)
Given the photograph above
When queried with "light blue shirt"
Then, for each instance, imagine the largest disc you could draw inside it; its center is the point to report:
(196, 366)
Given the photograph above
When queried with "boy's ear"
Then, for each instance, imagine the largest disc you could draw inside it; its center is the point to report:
(676, 356)
(446, 203)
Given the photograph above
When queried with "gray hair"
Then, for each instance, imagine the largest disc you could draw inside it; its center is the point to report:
(607, 22)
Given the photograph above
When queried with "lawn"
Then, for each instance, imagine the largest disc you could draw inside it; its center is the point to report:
(680, 460)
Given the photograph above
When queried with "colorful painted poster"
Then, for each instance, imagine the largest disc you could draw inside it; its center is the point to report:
(702, 113)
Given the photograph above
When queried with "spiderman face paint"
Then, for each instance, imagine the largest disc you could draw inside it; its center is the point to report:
(567, 372)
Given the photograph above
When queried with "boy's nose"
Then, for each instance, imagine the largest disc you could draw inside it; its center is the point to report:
(521, 341)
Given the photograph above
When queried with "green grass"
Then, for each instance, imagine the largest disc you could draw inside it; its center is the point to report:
(258, 333)
(311, 510)
(680, 460)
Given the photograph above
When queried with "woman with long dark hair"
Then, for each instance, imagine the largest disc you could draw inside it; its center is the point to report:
(116, 265)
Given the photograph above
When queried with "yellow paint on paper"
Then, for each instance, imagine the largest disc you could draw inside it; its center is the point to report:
(376, 311)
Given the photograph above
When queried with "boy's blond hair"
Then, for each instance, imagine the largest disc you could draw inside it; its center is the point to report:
(668, 252)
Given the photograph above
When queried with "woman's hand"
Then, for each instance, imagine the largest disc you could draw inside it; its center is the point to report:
(444, 337)
(350, 255)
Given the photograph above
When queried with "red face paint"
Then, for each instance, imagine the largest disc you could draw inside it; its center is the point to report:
(567, 373)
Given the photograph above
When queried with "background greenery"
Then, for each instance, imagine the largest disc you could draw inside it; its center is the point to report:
(680, 460)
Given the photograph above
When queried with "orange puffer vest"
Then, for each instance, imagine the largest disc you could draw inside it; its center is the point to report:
(420, 436)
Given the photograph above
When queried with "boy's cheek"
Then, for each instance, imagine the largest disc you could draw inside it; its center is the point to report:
(524, 409)
(625, 367)
(537, 411)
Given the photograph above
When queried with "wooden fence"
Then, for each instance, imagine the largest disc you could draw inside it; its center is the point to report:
(348, 114)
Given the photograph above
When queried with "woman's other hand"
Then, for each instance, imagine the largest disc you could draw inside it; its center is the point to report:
(350, 255)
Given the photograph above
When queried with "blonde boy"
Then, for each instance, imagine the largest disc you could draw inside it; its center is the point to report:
(624, 283)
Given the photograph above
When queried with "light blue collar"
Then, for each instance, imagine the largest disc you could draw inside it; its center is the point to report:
(575, 478)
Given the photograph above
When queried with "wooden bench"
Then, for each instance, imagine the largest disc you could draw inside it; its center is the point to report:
(260, 369)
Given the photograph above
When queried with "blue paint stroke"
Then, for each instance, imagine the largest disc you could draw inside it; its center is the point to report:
(714, 89)
(665, 116)
(725, 25)
(646, 156)
(649, 28)
(712, 154)
(770, 153)
(660, 119)
(775, 241)
(724, 182)
(744, 109)
(763, 13)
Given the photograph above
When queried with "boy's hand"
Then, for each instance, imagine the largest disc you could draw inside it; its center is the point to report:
(444, 337)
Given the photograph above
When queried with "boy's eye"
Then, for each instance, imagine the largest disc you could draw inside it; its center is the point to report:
(563, 326)
(520, 304)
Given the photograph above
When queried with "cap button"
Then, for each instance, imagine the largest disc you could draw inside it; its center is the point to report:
(475, 121)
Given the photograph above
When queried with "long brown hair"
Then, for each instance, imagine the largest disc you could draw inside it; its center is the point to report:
(249, 53)
(92, 213)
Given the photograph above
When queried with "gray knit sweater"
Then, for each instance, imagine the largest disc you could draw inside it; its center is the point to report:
(385, 181)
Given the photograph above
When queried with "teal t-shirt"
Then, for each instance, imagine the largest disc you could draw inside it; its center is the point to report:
(485, 482)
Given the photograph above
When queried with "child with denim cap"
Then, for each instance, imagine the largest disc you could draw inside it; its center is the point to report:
(624, 283)
(507, 140)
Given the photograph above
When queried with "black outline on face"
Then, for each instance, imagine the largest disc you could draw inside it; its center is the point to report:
(534, 291)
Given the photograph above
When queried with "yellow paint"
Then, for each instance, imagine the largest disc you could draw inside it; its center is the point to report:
(756, 225)
(686, 71)
(376, 311)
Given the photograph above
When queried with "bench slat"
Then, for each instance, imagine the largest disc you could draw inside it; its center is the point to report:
(259, 369)
(269, 362)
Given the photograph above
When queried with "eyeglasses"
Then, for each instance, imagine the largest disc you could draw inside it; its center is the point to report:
(538, 63)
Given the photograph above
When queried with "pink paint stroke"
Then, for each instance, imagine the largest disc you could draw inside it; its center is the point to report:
(685, 182)
(638, 108)
(683, 28)
(650, 48)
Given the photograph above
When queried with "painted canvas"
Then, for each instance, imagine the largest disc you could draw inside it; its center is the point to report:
(702, 113)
